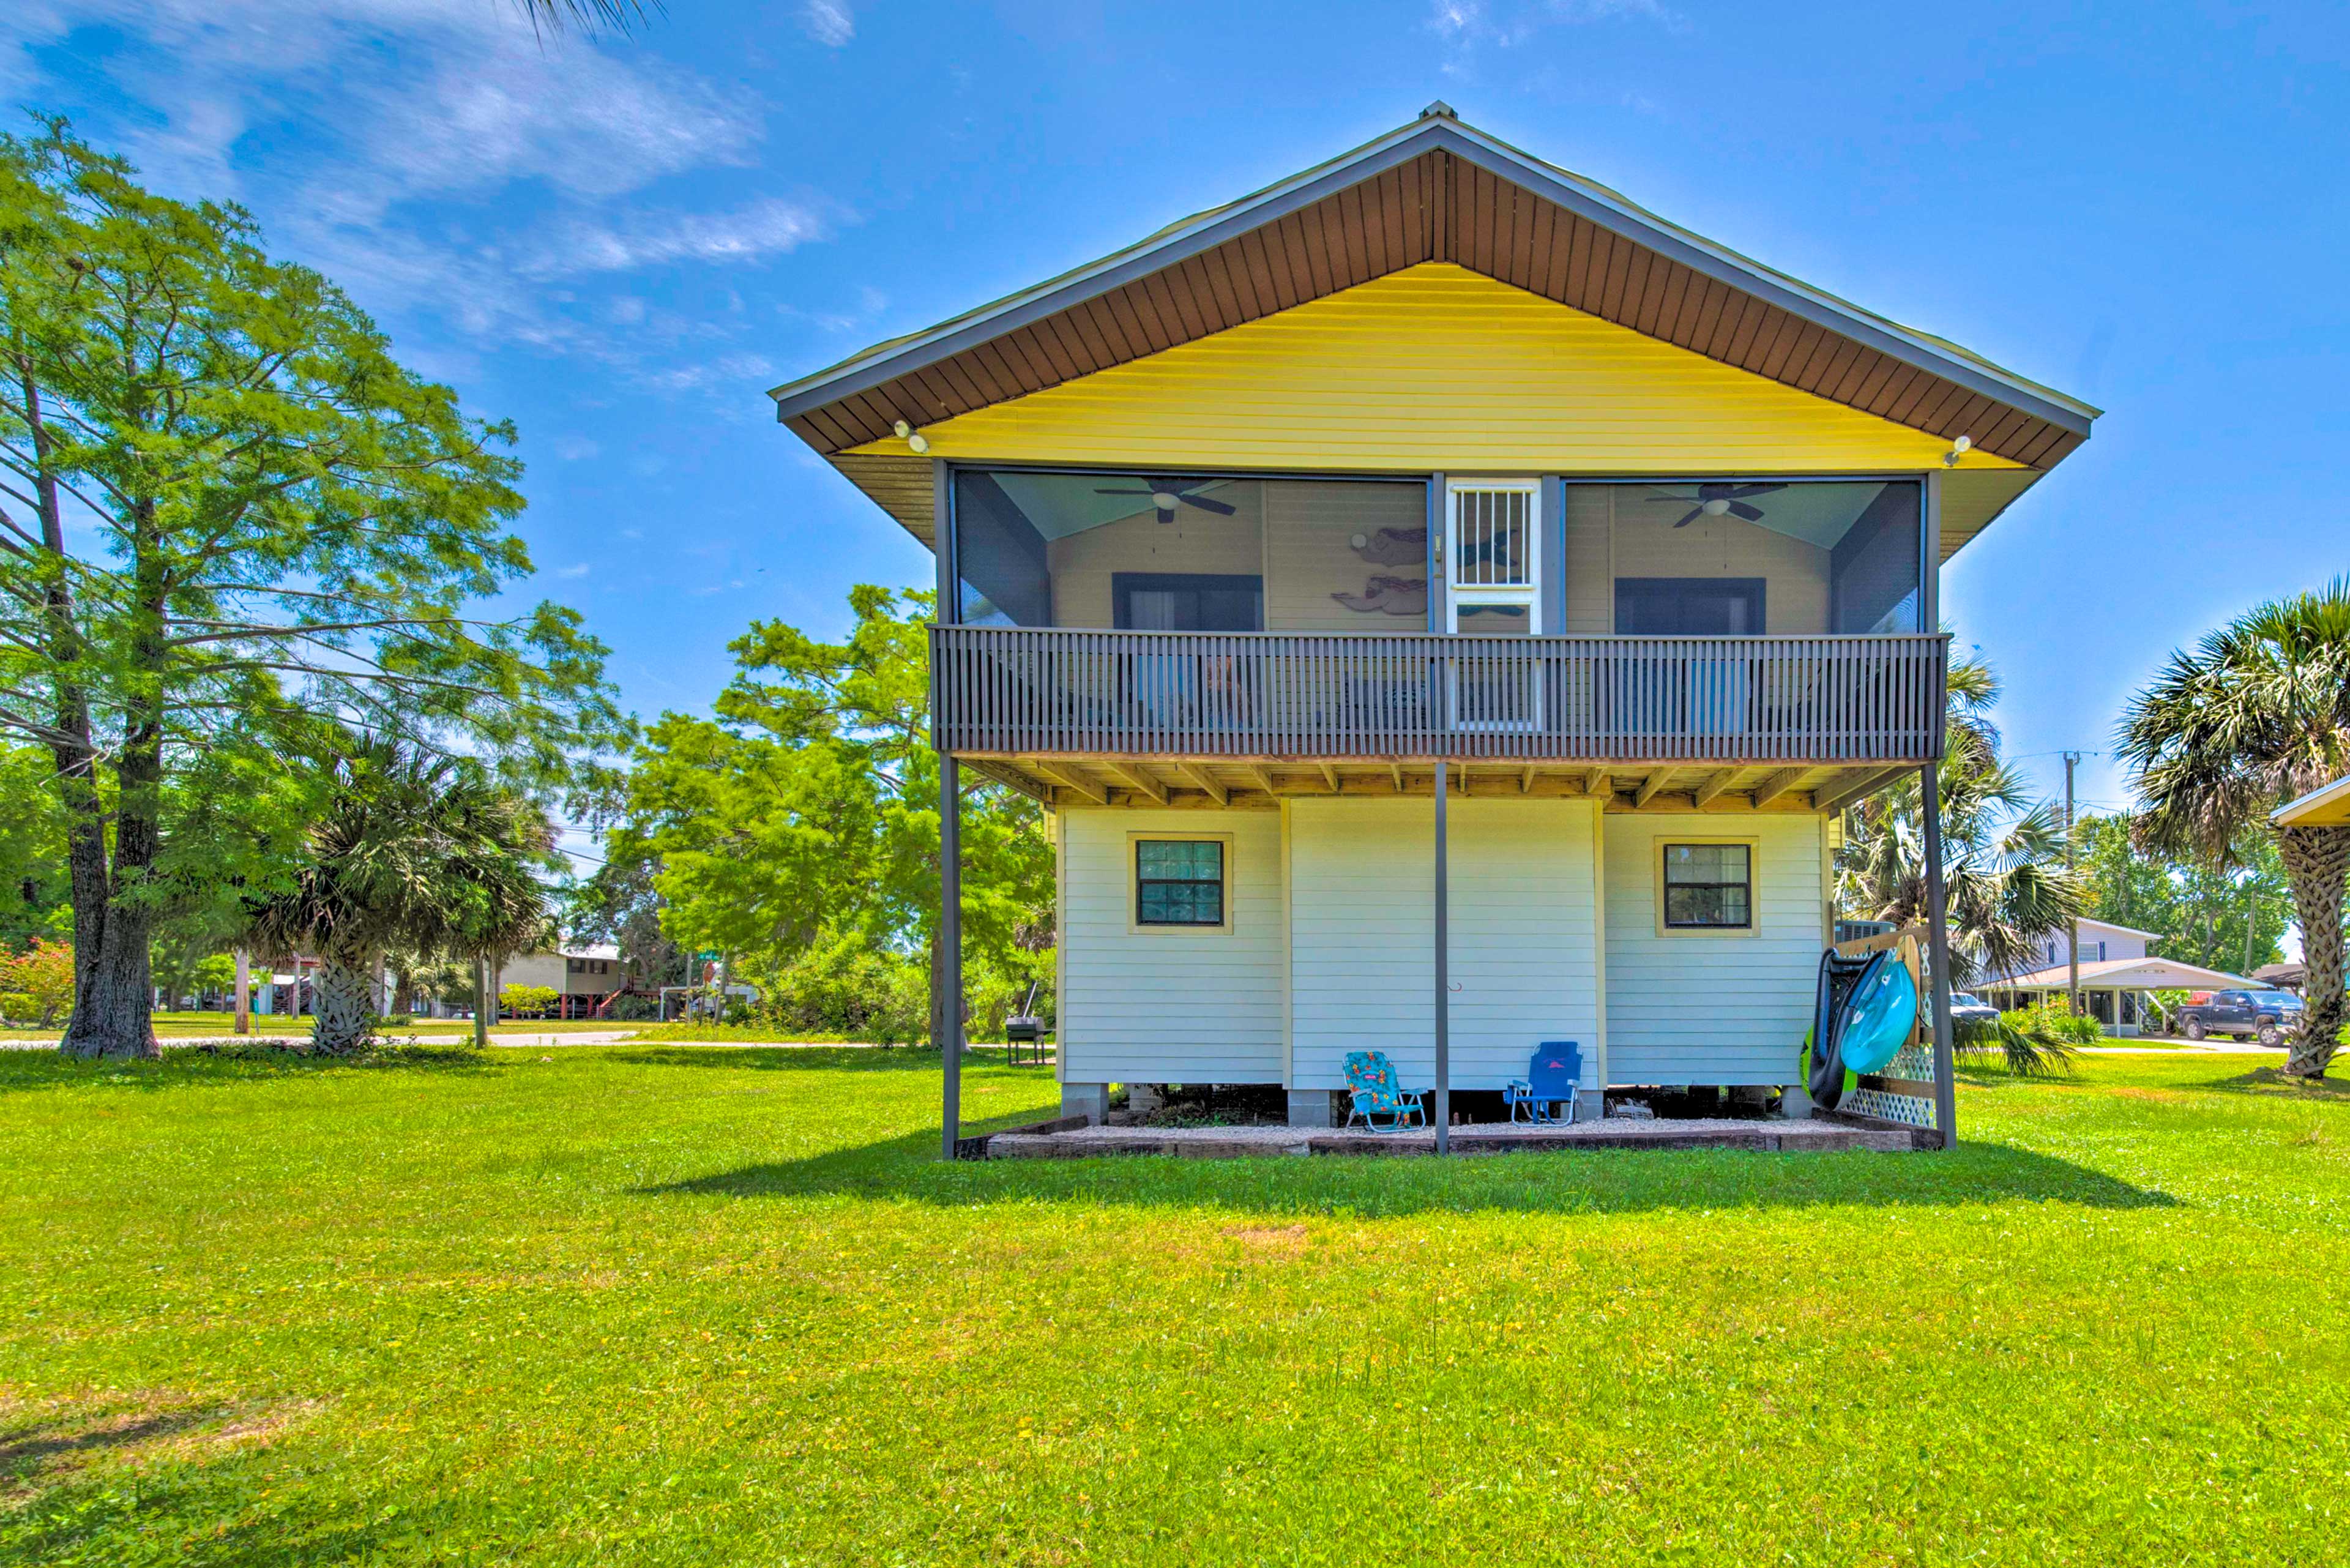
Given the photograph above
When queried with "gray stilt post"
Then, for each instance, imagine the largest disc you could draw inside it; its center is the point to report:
(950, 945)
(1937, 937)
(1443, 980)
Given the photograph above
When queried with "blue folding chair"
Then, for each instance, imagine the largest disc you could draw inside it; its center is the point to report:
(1375, 1090)
(1551, 1078)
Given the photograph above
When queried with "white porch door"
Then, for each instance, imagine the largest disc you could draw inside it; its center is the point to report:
(1493, 588)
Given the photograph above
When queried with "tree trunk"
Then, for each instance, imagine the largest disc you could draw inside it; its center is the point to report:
(403, 991)
(113, 990)
(345, 999)
(110, 991)
(2317, 859)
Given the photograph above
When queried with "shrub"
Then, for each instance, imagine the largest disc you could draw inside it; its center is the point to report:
(2055, 1024)
(43, 975)
(848, 988)
(15, 1007)
(536, 1001)
(632, 1009)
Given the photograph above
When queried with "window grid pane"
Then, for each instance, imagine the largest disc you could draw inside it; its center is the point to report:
(1708, 885)
(1179, 882)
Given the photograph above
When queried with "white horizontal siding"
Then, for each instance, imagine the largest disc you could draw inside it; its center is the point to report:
(1169, 1007)
(1728, 1009)
(1362, 925)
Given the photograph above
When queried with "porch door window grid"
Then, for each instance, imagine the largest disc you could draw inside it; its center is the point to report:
(1492, 587)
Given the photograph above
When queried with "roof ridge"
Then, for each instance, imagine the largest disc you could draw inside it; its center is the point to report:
(1437, 126)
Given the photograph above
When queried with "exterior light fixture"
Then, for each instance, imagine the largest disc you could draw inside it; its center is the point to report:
(914, 438)
(1958, 449)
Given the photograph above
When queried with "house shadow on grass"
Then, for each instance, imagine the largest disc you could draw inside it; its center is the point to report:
(1612, 1182)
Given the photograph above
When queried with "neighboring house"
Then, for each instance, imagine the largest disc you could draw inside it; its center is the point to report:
(1434, 463)
(2289, 976)
(287, 992)
(583, 975)
(2101, 942)
(2115, 991)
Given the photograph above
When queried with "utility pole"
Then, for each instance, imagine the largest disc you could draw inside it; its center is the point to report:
(2073, 938)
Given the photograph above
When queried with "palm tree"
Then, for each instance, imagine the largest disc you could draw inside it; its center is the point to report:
(421, 853)
(2004, 882)
(2255, 714)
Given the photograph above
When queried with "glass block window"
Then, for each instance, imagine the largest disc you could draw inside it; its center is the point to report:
(1179, 882)
(1709, 887)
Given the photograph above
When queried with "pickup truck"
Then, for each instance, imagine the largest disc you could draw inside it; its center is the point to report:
(2267, 1016)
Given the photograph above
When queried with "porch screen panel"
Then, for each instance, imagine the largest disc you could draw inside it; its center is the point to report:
(1874, 577)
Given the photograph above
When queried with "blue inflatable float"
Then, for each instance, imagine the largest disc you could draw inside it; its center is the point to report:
(1867, 1010)
(1879, 1017)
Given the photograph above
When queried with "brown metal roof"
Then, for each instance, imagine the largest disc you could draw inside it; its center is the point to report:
(1434, 192)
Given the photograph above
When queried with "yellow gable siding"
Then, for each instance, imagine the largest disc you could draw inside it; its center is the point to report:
(1436, 367)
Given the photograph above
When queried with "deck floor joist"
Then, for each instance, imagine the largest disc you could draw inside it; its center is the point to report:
(1224, 781)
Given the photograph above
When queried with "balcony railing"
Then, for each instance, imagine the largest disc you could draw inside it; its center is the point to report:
(1040, 691)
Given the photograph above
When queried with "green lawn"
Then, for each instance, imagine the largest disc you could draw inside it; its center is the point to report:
(195, 1026)
(662, 1305)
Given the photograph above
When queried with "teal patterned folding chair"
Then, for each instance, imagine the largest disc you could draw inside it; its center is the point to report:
(1375, 1091)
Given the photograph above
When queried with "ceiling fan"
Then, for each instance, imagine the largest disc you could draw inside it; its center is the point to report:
(1715, 500)
(1167, 493)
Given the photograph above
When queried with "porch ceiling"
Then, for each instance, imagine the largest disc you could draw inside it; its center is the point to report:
(1222, 782)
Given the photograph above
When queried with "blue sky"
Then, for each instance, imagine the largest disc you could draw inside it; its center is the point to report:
(621, 244)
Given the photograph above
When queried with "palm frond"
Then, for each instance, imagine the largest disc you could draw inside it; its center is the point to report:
(590, 16)
(2025, 1054)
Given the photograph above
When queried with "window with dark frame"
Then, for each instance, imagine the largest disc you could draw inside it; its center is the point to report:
(1185, 602)
(1179, 882)
(1709, 888)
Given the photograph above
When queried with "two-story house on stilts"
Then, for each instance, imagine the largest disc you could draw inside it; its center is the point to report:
(1445, 608)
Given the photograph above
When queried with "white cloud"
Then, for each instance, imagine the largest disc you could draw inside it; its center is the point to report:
(579, 569)
(765, 227)
(338, 120)
(1466, 25)
(406, 97)
(749, 373)
(572, 447)
(828, 21)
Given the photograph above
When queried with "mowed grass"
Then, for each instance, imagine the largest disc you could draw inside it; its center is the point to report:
(669, 1306)
(197, 1025)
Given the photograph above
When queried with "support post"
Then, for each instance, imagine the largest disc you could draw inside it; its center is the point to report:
(1443, 979)
(2073, 928)
(244, 992)
(950, 947)
(483, 999)
(1937, 938)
